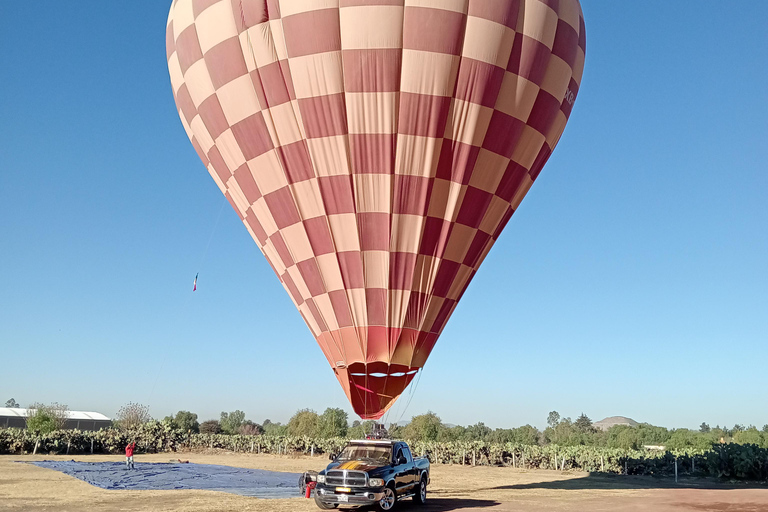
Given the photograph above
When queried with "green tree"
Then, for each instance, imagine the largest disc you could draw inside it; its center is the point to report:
(526, 435)
(132, 415)
(501, 436)
(683, 438)
(210, 427)
(333, 423)
(12, 404)
(231, 421)
(623, 437)
(567, 433)
(170, 421)
(305, 422)
(477, 432)
(584, 424)
(748, 436)
(187, 421)
(553, 418)
(704, 428)
(274, 429)
(424, 427)
(448, 434)
(46, 418)
(652, 435)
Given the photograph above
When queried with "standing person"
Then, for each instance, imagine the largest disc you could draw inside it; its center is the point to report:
(129, 455)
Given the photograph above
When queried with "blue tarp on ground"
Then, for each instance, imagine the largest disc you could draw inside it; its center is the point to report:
(163, 476)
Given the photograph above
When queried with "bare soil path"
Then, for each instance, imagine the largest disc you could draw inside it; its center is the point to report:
(24, 487)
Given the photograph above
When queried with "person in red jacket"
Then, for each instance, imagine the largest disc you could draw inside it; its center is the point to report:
(129, 455)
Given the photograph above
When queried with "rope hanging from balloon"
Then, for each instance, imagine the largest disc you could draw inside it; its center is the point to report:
(184, 310)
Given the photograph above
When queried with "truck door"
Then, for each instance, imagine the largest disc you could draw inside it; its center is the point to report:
(403, 476)
(414, 471)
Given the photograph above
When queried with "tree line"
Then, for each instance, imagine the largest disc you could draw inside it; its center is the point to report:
(428, 427)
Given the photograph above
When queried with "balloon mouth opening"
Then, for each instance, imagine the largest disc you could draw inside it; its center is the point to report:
(374, 387)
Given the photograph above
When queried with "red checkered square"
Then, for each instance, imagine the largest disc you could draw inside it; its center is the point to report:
(225, 62)
(473, 207)
(219, 165)
(529, 58)
(478, 82)
(311, 275)
(324, 116)
(312, 32)
(351, 265)
(433, 30)
(272, 84)
(505, 13)
(435, 236)
(423, 115)
(213, 117)
(513, 178)
(252, 136)
(372, 153)
(401, 266)
(341, 308)
(283, 207)
(296, 161)
(376, 306)
(188, 48)
(247, 183)
(319, 235)
(503, 134)
(185, 103)
(456, 161)
(373, 229)
(372, 70)
(544, 112)
(282, 249)
(411, 194)
(336, 192)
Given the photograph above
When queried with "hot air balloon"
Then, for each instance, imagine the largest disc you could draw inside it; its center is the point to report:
(375, 150)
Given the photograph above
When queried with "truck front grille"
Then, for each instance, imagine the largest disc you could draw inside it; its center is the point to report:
(345, 478)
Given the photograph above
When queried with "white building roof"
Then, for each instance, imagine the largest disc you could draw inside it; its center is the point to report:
(20, 412)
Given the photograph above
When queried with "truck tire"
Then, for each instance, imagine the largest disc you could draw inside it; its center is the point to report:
(388, 502)
(325, 506)
(421, 492)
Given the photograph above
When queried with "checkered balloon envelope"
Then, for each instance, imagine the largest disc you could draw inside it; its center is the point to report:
(375, 150)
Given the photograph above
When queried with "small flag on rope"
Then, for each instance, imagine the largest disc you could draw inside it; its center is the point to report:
(194, 285)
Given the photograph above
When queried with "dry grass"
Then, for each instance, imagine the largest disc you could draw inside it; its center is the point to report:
(28, 488)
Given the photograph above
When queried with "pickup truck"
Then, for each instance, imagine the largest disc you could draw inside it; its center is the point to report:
(373, 472)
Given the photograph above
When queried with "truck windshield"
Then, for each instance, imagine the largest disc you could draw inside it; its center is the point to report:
(379, 454)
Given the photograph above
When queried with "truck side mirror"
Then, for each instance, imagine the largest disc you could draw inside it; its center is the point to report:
(401, 460)
(331, 456)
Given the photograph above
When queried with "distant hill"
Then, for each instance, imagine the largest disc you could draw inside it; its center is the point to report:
(613, 421)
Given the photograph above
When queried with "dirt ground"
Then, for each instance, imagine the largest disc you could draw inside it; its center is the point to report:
(28, 488)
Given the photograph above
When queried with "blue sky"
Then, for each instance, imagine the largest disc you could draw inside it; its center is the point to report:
(632, 281)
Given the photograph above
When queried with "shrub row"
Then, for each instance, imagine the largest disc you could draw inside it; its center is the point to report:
(732, 461)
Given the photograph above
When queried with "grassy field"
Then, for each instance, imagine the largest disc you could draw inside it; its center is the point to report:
(25, 487)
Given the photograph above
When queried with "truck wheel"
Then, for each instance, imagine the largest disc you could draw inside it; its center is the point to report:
(421, 494)
(387, 503)
(325, 506)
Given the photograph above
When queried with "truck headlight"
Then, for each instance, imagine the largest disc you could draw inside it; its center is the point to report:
(376, 482)
(321, 479)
